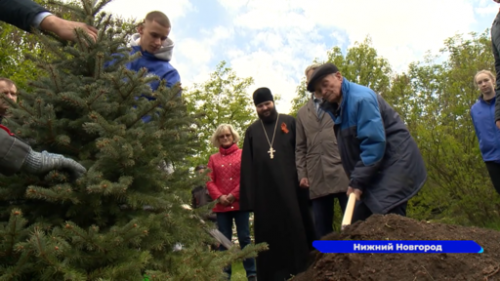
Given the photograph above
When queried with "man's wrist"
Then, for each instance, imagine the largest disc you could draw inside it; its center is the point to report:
(50, 23)
(32, 162)
(37, 21)
(356, 185)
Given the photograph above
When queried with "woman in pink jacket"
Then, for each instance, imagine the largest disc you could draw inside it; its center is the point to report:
(224, 187)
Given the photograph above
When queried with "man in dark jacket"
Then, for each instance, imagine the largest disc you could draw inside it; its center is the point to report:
(381, 159)
(26, 15)
(495, 41)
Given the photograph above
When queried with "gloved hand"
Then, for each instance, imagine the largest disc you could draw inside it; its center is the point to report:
(40, 163)
(167, 168)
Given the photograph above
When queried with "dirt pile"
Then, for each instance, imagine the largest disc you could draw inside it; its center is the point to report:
(412, 267)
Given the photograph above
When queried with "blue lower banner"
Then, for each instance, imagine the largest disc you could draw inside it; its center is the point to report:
(398, 246)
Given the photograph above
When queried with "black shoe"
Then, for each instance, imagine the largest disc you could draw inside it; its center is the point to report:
(252, 278)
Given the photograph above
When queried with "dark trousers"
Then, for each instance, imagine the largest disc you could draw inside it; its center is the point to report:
(225, 225)
(323, 212)
(494, 171)
(362, 212)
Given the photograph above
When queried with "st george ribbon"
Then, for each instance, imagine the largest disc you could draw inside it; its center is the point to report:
(398, 246)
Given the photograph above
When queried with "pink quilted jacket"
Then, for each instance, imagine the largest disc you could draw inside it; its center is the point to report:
(225, 176)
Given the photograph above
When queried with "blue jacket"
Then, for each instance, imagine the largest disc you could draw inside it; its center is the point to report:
(378, 153)
(157, 64)
(488, 135)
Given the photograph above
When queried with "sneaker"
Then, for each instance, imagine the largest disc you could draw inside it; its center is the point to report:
(252, 278)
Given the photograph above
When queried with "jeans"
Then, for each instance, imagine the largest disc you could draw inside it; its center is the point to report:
(225, 225)
(362, 212)
(323, 212)
(494, 171)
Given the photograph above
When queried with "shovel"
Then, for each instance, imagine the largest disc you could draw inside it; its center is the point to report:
(349, 211)
(214, 232)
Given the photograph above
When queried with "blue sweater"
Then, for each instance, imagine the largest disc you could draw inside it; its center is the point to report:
(156, 64)
(161, 68)
(488, 135)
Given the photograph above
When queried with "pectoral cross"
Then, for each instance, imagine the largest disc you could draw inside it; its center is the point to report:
(271, 152)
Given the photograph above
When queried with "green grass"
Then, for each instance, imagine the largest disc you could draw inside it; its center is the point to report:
(494, 225)
(239, 273)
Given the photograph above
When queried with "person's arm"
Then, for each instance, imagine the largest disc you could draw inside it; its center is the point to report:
(235, 192)
(12, 153)
(26, 15)
(301, 149)
(21, 13)
(213, 190)
(172, 77)
(474, 123)
(496, 55)
(16, 156)
(371, 134)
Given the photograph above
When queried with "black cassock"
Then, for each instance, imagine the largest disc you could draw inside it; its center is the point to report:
(270, 188)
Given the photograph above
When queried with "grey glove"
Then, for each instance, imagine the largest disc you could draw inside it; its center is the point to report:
(40, 163)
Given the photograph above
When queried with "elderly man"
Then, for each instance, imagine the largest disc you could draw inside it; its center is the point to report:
(8, 88)
(17, 156)
(381, 159)
(318, 161)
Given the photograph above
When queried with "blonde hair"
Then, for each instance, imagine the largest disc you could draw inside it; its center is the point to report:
(158, 17)
(487, 72)
(215, 137)
(312, 67)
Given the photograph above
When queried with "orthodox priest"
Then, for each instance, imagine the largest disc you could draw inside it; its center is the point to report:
(269, 188)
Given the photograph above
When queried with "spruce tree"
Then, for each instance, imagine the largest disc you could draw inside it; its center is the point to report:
(122, 219)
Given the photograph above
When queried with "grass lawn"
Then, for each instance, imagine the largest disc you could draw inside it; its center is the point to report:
(239, 273)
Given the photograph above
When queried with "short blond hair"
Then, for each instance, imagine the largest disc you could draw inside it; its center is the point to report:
(158, 17)
(215, 137)
(487, 72)
(312, 67)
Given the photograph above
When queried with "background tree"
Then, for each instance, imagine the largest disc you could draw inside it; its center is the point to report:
(434, 98)
(222, 99)
(361, 64)
(122, 219)
(438, 111)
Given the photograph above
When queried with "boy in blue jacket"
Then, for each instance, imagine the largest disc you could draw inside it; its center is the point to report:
(156, 48)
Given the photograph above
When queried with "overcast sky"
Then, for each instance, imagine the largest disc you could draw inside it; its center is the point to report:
(273, 41)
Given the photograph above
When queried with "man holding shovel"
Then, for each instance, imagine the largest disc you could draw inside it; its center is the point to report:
(379, 155)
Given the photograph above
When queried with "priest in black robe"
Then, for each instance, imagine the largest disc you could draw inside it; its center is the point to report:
(269, 188)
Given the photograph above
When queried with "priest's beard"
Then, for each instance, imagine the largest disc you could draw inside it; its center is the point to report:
(270, 118)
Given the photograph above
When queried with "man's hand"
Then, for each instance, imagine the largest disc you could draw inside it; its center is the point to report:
(357, 192)
(40, 163)
(498, 122)
(304, 182)
(65, 29)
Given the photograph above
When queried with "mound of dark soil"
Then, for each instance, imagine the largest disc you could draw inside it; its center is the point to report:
(412, 267)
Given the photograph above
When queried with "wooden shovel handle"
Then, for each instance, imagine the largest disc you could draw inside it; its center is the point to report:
(349, 210)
